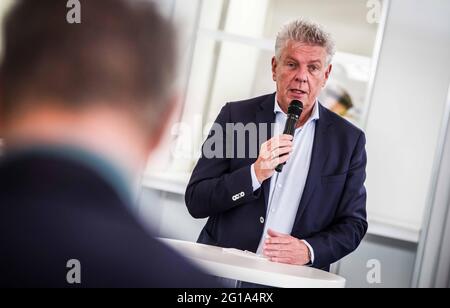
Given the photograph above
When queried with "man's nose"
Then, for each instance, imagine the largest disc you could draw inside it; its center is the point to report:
(302, 75)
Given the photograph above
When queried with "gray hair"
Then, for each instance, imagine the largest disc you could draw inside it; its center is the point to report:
(307, 32)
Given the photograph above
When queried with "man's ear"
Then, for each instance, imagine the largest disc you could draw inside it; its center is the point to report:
(327, 74)
(274, 68)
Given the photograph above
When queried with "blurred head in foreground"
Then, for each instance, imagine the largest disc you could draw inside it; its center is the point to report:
(104, 85)
(82, 106)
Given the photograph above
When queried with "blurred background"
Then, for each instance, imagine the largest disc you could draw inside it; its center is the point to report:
(391, 78)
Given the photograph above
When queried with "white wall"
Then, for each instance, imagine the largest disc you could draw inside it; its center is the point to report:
(406, 110)
(396, 259)
(355, 35)
(433, 257)
(167, 216)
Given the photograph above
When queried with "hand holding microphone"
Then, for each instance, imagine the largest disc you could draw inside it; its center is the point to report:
(275, 152)
(294, 112)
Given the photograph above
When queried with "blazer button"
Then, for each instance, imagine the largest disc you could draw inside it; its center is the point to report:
(261, 219)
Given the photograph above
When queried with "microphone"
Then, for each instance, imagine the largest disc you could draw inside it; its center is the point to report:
(294, 112)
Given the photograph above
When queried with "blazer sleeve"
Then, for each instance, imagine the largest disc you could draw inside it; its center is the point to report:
(213, 187)
(344, 235)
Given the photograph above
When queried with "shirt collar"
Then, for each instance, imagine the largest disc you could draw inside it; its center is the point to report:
(314, 116)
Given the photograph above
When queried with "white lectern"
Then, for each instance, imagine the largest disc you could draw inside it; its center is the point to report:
(244, 266)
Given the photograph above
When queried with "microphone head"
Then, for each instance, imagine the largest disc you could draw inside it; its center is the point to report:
(295, 108)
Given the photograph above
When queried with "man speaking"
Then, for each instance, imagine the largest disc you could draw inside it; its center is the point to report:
(312, 212)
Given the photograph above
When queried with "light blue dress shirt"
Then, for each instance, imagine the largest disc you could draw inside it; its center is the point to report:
(286, 188)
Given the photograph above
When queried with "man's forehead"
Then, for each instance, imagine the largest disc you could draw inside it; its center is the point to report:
(304, 51)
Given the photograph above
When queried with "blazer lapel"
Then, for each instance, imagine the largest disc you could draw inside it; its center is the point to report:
(319, 156)
(265, 116)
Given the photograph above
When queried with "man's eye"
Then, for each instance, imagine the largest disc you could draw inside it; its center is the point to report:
(291, 64)
(313, 68)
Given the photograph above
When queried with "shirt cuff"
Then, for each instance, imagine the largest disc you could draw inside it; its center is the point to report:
(255, 183)
(311, 251)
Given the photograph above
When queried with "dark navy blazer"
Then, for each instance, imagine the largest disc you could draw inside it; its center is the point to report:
(331, 215)
(53, 210)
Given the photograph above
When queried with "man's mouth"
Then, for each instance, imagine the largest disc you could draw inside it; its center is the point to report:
(298, 92)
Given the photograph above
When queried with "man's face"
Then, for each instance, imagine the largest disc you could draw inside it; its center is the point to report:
(300, 74)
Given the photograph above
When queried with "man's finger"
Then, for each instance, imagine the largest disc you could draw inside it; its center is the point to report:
(280, 151)
(275, 144)
(280, 160)
(286, 137)
(286, 247)
(278, 253)
(278, 240)
(273, 233)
